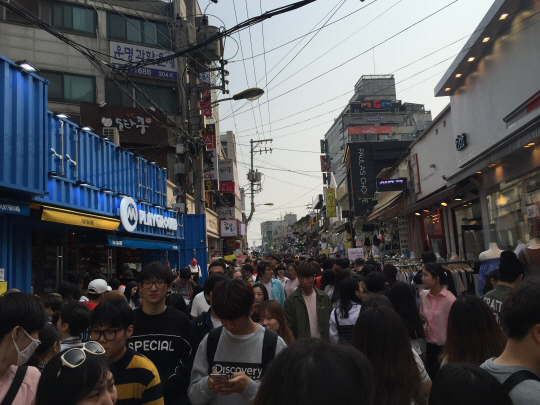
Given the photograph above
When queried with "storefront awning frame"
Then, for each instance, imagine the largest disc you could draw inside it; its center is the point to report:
(388, 208)
(428, 201)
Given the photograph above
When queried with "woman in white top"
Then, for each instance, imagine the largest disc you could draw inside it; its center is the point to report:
(343, 319)
(281, 274)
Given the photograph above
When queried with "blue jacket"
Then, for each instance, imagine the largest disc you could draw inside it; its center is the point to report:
(278, 293)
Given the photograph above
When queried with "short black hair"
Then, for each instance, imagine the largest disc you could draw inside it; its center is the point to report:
(368, 268)
(21, 309)
(84, 278)
(249, 268)
(344, 263)
(375, 282)
(358, 262)
(306, 269)
(53, 301)
(390, 271)
(48, 336)
(521, 309)
(510, 267)
(77, 316)
(466, 384)
(327, 264)
(114, 283)
(111, 314)
(68, 291)
(185, 273)
(158, 271)
(211, 282)
(232, 299)
(428, 257)
(218, 263)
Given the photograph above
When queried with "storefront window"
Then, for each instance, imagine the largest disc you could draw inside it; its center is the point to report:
(513, 211)
(468, 226)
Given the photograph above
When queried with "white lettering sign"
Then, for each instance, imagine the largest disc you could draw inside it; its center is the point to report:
(130, 217)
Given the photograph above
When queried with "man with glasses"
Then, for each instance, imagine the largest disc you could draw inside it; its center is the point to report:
(136, 378)
(161, 333)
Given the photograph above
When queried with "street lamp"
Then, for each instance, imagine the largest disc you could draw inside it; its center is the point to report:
(258, 205)
(249, 94)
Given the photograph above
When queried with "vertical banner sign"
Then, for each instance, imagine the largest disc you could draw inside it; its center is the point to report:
(403, 230)
(211, 178)
(206, 95)
(323, 163)
(323, 146)
(330, 202)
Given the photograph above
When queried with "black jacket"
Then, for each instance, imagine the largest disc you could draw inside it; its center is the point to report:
(200, 327)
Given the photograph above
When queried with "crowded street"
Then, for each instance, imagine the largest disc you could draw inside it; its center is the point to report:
(183, 224)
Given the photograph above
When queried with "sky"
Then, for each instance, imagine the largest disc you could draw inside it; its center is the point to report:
(308, 81)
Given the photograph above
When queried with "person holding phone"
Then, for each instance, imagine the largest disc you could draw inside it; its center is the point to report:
(232, 359)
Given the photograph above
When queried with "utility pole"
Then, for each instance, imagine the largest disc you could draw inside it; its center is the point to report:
(251, 175)
(194, 122)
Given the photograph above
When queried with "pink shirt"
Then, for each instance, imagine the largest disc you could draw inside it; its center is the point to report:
(27, 392)
(436, 309)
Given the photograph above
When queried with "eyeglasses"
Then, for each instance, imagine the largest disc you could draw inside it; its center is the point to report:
(73, 358)
(157, 283)
(107, 334)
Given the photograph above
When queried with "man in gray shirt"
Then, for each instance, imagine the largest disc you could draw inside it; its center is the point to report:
(520, 315)
(511, 272)
(232, 359)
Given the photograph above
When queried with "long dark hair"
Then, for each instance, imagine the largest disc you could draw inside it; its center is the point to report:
(62, 385)
(328, 278)
(127, 293)
(380, 334)
(340, 275)
(348, 288)
(473, 335)
(445, 276)
(326, 373)
(402, 299)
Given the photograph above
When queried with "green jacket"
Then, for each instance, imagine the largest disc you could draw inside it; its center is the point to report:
(297, 316)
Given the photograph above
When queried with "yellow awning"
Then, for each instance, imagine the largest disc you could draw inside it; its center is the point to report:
(68, 217)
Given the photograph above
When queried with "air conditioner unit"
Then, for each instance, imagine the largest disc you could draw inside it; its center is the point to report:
(112, 134)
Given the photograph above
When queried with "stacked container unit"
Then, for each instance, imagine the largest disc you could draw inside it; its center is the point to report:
(23, 117)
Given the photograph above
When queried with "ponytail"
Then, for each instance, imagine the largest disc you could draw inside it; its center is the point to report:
(445, 276)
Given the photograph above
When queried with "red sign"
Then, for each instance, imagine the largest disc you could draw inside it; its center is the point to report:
(369, 130)
(229, 187)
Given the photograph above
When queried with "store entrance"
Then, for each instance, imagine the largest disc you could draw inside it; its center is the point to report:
(61, 253)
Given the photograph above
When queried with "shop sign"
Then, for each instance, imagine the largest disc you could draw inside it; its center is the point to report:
(134, 124)
(378, 118)
(229, 187)
(206, 94)
(461, 141)
(399, 184)
(356, 253)
(403, 231)
(330, 196)
(8, 207)
(225, 212)
(226, 171)
(382, 129)
(131, 217)
(211, 224)
(532, 211)
(122, 54)
(376, 105)
(323, 146)
(229, 228)
(211, 177)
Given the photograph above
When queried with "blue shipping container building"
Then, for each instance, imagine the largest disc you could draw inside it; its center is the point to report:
(71, 200)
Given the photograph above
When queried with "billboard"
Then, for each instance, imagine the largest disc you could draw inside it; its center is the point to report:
(128, 53)
(371, 129)
(211, 177)
(399, 184)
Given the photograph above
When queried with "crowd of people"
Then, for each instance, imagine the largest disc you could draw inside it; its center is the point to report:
(274, 330)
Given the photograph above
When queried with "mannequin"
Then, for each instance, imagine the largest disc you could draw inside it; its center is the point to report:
(454, 257)
(489, 261)
(439, 258)
(492, 253)
(530, 257)
(520, 246)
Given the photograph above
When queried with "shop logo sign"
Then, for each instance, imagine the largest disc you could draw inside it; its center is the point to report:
(461, 141)
(128, 214)
(130, 217)
(378, 118)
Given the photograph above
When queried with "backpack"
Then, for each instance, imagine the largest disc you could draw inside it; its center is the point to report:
(517, 378)
(268, 350)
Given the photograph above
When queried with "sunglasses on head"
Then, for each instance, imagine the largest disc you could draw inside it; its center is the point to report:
(73, 358)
